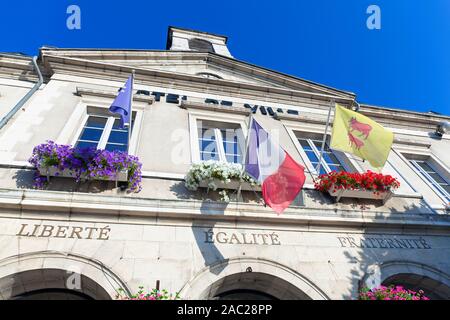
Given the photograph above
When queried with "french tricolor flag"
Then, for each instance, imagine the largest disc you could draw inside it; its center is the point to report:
(280, 176)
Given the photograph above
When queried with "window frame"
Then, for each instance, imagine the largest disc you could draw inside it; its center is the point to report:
(104, 113)
(316, 151)
(195, 116)
(412, 163)
(348, 164)
(209, 75)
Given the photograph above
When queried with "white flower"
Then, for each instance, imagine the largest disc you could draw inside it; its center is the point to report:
(214, 170)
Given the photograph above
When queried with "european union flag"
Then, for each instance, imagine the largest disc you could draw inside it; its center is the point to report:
(122, 103)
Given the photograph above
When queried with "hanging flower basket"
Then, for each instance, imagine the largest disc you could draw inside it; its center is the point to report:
(216, 175)
(53, 160)
(368, 185)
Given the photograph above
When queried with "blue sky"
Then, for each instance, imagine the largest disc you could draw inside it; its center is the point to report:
(404, 65)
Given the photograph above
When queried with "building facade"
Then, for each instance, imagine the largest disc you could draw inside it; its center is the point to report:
(191, 103)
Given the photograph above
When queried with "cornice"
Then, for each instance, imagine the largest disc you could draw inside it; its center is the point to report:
(109, 71)
(213, 107)
(133, 56)
(111, 94)
(17, 67)
(26, 203)
(80, 67)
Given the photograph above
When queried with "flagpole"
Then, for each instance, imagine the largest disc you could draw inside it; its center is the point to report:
(324, 138)
(247, 141)
(131, 112)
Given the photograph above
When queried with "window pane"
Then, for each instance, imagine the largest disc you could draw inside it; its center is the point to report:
(322, 170)
(116, 125)
(96, 122)
(83, 144)
(204, 156)
(91, 134)
(233, 158)
(119, 136)
(446, 188)
(425, 166)
(312, 156)
(231, 145)
(116, 147)
(330, 158)
(318, 145)
(336, 168)
(305, 145)
(436, 177)
(207, 133)
(231, 148)
(92, 131)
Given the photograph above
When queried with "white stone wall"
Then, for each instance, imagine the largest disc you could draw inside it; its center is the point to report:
(140, 252)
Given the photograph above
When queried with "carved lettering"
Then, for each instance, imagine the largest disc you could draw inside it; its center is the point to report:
(384, 242)
(104, 233)
(220, 238)
(223, 237)
(47, 231)
(209, 236)
(63, 231)
(275, 240)
(76, 230)
(20, 233)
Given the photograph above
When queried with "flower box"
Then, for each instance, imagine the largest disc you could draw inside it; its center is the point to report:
(368, 185)
(67, 173)
(232, 185)
(216, 175)
(359, 193)
(55, 160)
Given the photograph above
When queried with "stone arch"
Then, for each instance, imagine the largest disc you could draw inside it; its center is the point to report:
(206, 283)
(51, 269)
(414, 273)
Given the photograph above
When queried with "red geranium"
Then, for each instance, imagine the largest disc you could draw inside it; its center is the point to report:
(369, 180)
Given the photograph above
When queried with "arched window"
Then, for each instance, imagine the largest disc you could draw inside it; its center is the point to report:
(200, 45)
(209, 75)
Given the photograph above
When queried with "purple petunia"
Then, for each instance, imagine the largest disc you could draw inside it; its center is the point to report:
(86, 163)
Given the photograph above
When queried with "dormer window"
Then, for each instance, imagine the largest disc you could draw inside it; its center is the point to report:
(200, 45)
(209, 75)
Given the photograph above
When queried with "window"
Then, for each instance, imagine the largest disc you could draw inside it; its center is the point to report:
(103, 132)
(200, 45)
(219, 141)
(432, 174)
(209, 75)
(312, 146)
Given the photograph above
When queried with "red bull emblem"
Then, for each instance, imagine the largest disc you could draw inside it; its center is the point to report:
(363, 128)
(355, 142)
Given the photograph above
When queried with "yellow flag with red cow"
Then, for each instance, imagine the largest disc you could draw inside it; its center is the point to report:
(357, 134)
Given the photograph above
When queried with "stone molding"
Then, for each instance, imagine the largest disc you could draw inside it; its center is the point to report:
(16, 203)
